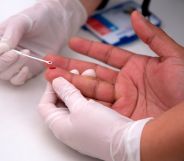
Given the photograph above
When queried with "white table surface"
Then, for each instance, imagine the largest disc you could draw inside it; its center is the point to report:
(23, 135)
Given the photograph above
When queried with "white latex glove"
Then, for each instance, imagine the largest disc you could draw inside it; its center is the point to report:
(89, 127)
(43, 28)
(16, 69)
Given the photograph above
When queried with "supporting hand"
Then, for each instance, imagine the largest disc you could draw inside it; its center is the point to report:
(85, 124)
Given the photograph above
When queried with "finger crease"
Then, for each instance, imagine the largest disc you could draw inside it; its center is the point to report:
(90, 48)
(96, 68)
(97, 84)
(109, 54)
(68, 63)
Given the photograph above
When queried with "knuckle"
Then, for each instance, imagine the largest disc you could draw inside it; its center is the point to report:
(9, 57)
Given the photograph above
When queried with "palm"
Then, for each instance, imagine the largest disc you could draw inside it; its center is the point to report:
(148, 86)
(143, 86)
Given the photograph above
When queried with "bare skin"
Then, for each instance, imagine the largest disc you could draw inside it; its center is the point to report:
(162, 138)
(143, 87)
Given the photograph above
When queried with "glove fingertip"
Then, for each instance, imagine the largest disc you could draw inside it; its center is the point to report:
(21, 77)
(58, 82)
(26, 51)
(4, 47)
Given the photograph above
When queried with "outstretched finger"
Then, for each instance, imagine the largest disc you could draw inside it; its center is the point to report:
(89, 87)
(111, 55)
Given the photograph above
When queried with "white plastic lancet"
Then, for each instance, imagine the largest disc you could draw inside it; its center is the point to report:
(32, 57)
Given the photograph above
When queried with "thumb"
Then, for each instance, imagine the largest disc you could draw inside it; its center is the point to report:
(69, 94)
(156, 38)
(15, 29)
(48, 110)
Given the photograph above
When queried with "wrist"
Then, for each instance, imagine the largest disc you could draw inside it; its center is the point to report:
(126, 142)
(162, 138)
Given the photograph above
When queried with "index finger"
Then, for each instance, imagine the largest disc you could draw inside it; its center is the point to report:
(111, 55)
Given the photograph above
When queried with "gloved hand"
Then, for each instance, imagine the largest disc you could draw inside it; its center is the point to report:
(43, 28)
(17, 69)
(90, 127)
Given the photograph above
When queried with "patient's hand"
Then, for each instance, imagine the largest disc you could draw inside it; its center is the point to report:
(144, 86)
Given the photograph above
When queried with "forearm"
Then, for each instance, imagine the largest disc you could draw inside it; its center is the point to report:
(163, 137)
(91, 5)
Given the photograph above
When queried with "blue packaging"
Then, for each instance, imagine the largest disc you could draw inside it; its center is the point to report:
(113, 25)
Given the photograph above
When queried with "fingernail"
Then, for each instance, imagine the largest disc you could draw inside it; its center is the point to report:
(141, 17)
(89, 72)
(138, 14)
(75, 71)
